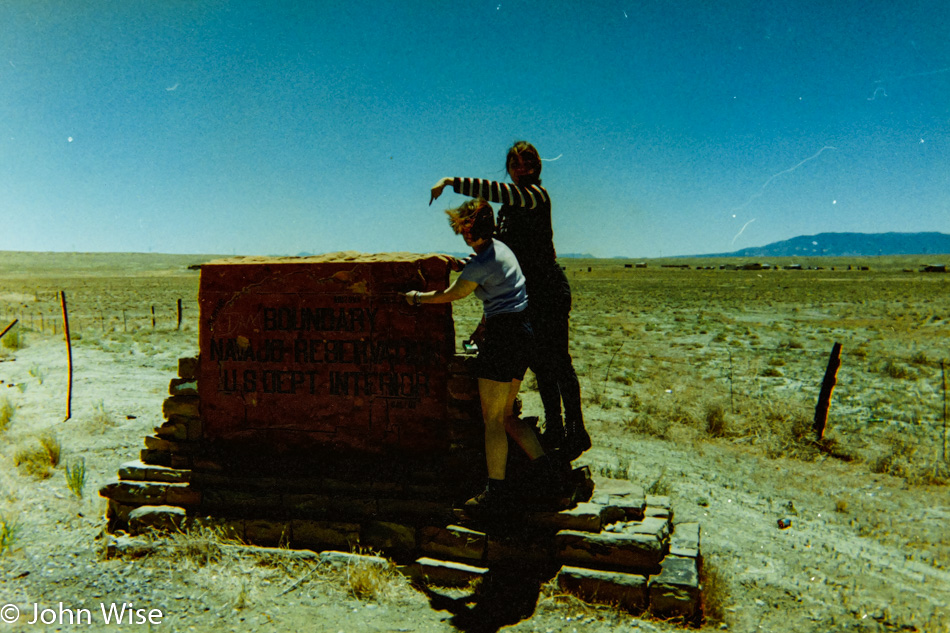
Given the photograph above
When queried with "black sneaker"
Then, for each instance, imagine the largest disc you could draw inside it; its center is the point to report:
(552, 438)
(495, 499)
(575, 444)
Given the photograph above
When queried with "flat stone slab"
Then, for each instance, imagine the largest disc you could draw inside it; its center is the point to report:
(454, 541)
(629, 591)
(685, 540)
(443, 573)
(147, 493)
(584, 517)
(156, 518)
(140, 471)
(675, 590)
(639, 553)
(339, 559)
(625, 500)
(657, 527)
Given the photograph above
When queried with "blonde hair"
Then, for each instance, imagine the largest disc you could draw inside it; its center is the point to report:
(475, 218)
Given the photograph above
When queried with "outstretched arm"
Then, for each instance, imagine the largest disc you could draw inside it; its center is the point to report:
(529, 197)
(460, 288)
(438, 187)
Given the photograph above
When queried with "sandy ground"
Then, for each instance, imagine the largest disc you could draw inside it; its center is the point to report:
(865, 551)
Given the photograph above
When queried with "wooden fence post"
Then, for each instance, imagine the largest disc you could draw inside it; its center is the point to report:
(827, 386)
(943, 380)
(732, 395)
(69, 357)
(178, 327)
(153, 317)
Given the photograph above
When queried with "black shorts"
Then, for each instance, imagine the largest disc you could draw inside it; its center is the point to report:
(506, 351)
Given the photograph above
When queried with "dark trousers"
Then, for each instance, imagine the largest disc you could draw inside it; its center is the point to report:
(549, 310)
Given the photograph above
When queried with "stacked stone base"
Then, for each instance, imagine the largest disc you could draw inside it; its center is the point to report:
(614, 545)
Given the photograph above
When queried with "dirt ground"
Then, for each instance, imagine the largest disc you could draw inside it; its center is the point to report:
(868, 548)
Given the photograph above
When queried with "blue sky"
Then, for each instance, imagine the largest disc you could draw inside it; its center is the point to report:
(670, 128)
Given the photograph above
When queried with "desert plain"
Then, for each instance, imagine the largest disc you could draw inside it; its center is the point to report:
(699, 383)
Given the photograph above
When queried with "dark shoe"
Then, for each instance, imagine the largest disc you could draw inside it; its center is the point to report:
(546, 483)
(575, 444)
(552, 438)
(495, 499)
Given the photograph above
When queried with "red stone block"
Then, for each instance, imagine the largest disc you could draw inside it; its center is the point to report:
(326, 351)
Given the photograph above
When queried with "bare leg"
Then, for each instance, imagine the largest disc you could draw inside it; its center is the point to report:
(496, 403)
(520, 432)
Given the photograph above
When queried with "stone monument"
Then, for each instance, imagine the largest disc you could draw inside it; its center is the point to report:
(324, 412)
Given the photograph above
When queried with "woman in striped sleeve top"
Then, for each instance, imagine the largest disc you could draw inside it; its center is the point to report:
(524, 224)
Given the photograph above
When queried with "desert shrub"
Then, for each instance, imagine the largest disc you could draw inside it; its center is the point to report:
(368, 580)
(792, 344)
(51, 446)
(715, 593)
(7, 411)
(777, 361)
(904, 459)
(9, 533)
(898, 371)
(782, 427)
(101, 418)
(37, 459)
(716, 420)
(633, 401)
(618, 469)
(623, 378)
(201, 545)
(772, 372)
(76, 477)
(14, 339)
(648, 425)
(660, 485)
(920, 358)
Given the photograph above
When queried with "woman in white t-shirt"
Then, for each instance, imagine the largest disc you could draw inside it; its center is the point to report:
(495, 277)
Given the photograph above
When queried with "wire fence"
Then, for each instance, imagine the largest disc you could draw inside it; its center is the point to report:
(876, 397)
(86, 319)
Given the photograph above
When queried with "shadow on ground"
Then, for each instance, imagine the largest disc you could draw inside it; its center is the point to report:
(507, 594)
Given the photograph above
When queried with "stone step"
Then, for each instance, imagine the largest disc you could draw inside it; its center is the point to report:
(685, 540)
(639, 553)
(150, 493)
(442, 573)
(140, 471)
(147, 519)
(628, 591)
(675, 591)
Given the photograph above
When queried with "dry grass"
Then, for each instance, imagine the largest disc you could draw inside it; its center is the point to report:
(14, 339)
(370, 577)
(38, 457)
(715, 592)
(76, 477)
(7, 413)
(102, 419)
(9, 534)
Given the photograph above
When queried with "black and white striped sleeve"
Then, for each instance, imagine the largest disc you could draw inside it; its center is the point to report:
(529, 197)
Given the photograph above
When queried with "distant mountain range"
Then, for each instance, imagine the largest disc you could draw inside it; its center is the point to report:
(848, 245)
